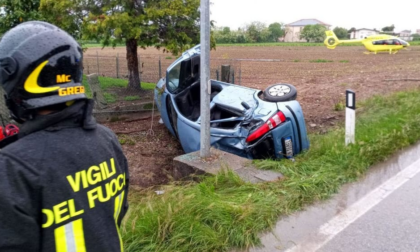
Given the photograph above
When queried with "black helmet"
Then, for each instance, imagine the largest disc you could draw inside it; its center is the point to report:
(40, 66)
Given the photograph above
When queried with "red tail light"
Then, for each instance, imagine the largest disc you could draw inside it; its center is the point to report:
(266, 127)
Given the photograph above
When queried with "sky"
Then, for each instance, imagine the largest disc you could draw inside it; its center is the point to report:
(371, 14)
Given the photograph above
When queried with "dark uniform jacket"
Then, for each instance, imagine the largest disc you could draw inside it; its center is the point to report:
(63, 185)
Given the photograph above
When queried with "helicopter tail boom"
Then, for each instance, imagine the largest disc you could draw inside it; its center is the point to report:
(331, 41)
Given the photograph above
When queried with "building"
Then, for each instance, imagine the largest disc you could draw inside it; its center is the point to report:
(418, 31)
(294, 29)
(362, 33)
(406, 35)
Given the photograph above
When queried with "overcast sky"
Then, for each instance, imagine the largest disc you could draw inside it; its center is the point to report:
(354, 13)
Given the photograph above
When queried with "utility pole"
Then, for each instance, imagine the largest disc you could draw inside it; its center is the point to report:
(205, 78)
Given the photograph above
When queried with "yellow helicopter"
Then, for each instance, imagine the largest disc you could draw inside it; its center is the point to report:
(373, 43)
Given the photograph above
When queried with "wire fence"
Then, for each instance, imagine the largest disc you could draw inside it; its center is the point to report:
(113, 78)
(152, 67)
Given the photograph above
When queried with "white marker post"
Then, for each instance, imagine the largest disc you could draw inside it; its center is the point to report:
(350, 116)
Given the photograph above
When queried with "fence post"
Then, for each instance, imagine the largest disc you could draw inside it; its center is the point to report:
(240, 75)
(96, 90)
(118, 63)
(217, 74)
(226, 73)
(160, 68)
(233, 76)
(97, 61)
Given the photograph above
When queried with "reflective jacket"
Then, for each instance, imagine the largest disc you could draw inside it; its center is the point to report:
(63, 185)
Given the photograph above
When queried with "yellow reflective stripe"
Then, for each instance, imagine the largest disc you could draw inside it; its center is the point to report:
(60, 239)
(31, 83)
(79, 236)
(70, 237)
(117, 210)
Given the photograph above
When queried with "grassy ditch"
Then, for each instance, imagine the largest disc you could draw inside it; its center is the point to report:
(222, 212)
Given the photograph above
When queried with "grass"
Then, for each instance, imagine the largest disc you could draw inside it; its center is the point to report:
(320, 61)
(222, 212)
(110, 98)
(344, 61)
(339, 106)
(132, 98)
(108, 83)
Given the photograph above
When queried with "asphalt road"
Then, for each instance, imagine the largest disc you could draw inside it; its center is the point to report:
(379, 213)
(392, 225)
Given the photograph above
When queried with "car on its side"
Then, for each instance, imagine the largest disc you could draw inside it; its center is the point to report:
(244, 121)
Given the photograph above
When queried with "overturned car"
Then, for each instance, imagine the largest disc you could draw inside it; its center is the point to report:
(244, 121)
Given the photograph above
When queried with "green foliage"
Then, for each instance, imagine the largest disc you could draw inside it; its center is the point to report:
(320, 61)
(174, 25)
(14, 12)
(339, 106)
(344, 61)
(276, 31)
(110, 98)
(132, 98)
(255, 32)
(107, 83)
(416, 37)
(313, 33)
(221, 212)
(388, 28)
(69, 15)
(341, 33)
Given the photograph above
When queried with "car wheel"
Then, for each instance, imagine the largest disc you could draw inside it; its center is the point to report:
(280, 93)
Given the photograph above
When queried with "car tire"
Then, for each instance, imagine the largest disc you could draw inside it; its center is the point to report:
(280, 93)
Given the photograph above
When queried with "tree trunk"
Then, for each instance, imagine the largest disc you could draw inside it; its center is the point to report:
(133, 65)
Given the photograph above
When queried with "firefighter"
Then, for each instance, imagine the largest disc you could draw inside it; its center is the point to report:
(64, 182)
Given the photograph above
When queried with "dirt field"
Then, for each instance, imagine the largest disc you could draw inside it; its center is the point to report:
(321, 77)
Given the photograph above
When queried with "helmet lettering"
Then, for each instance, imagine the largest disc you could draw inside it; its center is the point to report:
(63, 78)
(71, 91)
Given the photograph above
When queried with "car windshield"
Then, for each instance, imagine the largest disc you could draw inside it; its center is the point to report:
(173, 77)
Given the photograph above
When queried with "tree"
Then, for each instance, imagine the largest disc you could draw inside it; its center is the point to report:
(314, 33)
(69, 15)
(174, 25)
(255, 31)
(276, 31)
(388, 28)
(341, 33)
(416, 37)
(14, 12)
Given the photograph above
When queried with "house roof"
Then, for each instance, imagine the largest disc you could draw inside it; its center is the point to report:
(304, 22)
(366, 29)
(405, 31)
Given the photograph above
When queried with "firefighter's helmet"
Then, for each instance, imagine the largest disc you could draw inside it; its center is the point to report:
(40, 66)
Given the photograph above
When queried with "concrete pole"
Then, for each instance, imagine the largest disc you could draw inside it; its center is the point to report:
(205, 78)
